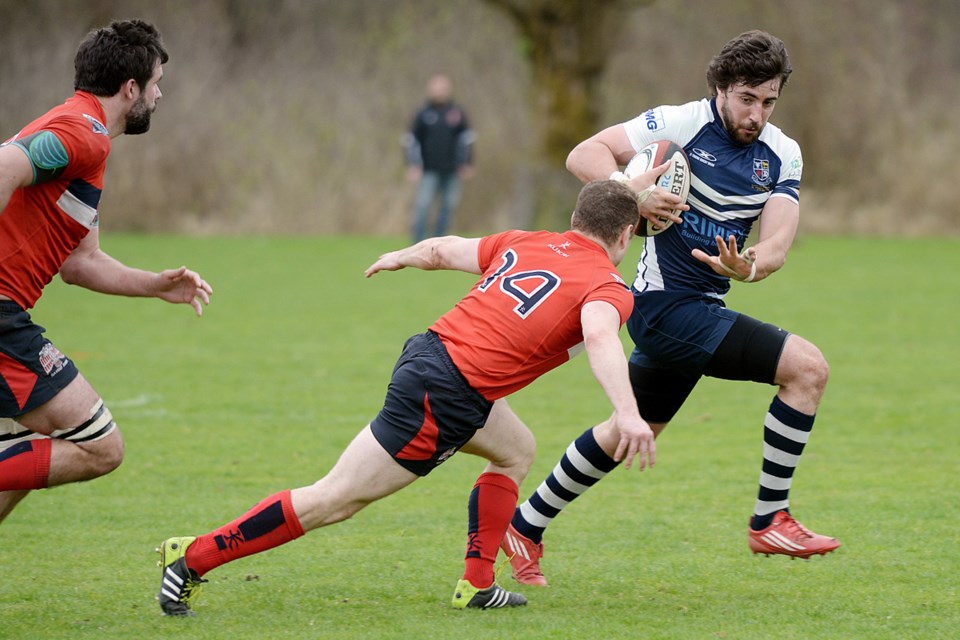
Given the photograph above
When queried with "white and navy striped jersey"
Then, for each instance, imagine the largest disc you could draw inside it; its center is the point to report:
(730, 185)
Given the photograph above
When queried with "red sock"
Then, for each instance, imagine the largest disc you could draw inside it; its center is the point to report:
(25, 465)
(269, 524)
(492, 503)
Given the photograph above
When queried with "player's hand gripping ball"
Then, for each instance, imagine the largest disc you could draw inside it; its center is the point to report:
(676, 179)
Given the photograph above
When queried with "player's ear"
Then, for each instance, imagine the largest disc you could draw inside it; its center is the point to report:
(623, 242)
(129, 89)
(627, 234)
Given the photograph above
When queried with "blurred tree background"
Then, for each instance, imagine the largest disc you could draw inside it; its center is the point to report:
(284, 116)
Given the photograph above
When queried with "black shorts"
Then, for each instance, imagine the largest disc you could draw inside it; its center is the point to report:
(32, 370)
(750, 350)
(430, 410)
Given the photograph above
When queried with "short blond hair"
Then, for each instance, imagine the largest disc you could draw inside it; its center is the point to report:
(604, 209)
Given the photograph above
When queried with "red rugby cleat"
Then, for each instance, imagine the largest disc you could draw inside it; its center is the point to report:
(524, 557)
(786, 536)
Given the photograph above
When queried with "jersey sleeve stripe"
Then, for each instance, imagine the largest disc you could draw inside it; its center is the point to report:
(77, 209)
(85, 192)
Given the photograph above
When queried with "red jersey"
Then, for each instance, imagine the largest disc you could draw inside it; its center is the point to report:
(43, 223)
(522, 318)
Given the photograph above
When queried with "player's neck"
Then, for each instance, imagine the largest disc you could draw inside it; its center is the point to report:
(611, 252)
(115, 114)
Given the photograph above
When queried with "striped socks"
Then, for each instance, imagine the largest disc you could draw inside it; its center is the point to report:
(582, 466)
(785, 432)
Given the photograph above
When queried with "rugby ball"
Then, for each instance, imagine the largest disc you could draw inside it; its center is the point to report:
(676, 179)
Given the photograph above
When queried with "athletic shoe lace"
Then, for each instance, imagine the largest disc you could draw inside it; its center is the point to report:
(191, 589)
(796, 528)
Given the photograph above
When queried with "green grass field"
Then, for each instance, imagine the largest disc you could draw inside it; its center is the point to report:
(292, 358)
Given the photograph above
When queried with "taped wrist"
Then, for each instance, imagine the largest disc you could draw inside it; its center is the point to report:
(749, 259)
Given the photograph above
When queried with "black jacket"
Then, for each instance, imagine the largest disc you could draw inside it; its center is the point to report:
(440, 138)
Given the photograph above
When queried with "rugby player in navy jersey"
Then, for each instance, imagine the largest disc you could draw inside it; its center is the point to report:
(745, 171)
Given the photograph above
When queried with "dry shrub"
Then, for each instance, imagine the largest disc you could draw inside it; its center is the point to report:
(284, 116)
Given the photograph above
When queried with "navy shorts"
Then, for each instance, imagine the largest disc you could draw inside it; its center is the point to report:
(677, 329)
(32, 370)
(430, 410)
(683, 335)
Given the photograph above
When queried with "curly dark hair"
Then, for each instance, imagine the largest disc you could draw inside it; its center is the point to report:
(110, 56)
(604, 209)
(753, 57)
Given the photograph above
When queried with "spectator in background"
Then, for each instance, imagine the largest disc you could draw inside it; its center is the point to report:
(438, 149)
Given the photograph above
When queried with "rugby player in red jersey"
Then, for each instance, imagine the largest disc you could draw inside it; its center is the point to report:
(540, 296)
(54, 428)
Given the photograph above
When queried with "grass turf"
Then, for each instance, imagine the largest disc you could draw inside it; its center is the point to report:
(293, 357)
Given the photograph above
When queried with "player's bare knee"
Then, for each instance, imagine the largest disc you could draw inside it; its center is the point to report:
(516, 459)
(804, 368)
(525, 460)
(108, 454)
(815, 370)
(822, 372)
(522, 454)
(99, 437)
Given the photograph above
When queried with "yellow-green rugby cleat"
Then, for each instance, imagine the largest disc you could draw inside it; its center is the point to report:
(179, 585)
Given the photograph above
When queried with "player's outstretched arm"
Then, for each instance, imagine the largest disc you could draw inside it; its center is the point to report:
(449, 252)
(729, 261)
(778, 228)
(601, 336)
(91, 268)
(183, 286)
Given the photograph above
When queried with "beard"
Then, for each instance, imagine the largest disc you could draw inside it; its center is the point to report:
(740, 136)
(138, 118)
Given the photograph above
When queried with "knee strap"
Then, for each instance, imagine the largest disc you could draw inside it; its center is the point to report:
(99, 426)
